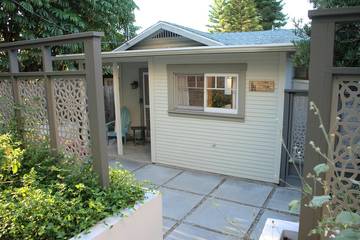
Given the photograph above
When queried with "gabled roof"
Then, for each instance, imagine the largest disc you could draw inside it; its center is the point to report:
(278, 36)
(182, 31)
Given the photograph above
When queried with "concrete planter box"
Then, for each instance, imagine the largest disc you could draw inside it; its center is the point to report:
(143, 222)
(276, 229)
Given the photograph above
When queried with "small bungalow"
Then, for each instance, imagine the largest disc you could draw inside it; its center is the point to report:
(207, 101)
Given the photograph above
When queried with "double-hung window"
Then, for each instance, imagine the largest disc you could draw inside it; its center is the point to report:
(209, 90)
(221, 93)
(189, 91)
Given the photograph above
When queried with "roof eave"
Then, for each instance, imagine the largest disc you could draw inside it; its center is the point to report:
(187, 51)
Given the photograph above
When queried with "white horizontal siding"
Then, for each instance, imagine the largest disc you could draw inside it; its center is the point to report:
(249, 149)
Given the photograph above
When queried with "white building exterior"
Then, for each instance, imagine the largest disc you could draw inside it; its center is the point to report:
(246, 144)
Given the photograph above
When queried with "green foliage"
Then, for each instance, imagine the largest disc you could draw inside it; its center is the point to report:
(337, 222)
(348, 234)
(334, 3)
(321, 168)
(347, 43)
(301, 58)
(271, 13)
(234, 16)
(217, 16)
(319, 201)
(29, 19)
(54, 197)
(294, 206)
(348, 218)
(10, 156)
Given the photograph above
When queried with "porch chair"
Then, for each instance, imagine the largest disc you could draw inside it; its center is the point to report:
(125, 125)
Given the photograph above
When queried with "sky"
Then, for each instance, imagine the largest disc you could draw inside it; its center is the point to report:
(194, 13)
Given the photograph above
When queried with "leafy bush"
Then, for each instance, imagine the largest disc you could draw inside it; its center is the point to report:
(44, 195)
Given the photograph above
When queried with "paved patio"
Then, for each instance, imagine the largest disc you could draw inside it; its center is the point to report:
(203, 206)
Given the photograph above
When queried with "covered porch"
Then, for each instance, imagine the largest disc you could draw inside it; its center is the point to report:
(127, 110)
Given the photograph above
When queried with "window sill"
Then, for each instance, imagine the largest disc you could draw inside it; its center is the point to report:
(206, 115)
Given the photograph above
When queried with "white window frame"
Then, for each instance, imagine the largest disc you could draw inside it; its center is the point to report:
(221, 110)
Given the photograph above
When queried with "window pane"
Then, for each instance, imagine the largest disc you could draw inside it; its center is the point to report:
(186, 92)
(200, 81)
(196, 97)
(191, 81)
(220, 82)
(218, 99)
(210, 81)
(231, 82)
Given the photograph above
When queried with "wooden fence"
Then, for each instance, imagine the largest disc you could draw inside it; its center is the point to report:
(335, 89)
(68, 106)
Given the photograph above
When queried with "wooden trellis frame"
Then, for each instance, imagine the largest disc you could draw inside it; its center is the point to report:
(323, 75)
(90, 102)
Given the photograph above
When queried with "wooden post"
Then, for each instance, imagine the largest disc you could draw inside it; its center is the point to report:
(50, 98)
(95, 93)
(116, 69)
(320, 92)
(14, 68)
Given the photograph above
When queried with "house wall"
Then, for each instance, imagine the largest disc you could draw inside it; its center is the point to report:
(249, 149)
(130, 97)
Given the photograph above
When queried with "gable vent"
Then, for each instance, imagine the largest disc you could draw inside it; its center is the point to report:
(165, 34)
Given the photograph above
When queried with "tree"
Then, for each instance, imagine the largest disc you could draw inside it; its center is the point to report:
(217, 15)
(234, 16)
(30, 19)
(271, 13)
(334, 3)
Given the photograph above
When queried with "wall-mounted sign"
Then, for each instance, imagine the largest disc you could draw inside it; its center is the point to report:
(262, 86)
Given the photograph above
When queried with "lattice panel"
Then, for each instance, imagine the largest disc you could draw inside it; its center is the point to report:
(72, 116)
(34, 105)
(298, 127)
(347, 144)
(6, 101)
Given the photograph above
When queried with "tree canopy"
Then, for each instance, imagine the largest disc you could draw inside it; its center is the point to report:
(271, 13)
(245, 15)
(334, 3)
(31, 19)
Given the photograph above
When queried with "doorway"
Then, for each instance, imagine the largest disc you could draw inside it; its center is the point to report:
(145, 102)
(294, 131)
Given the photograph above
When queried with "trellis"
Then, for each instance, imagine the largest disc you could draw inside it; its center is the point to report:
(336, 92)
(67, 107)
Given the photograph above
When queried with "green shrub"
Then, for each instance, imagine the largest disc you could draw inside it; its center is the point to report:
(50, 196)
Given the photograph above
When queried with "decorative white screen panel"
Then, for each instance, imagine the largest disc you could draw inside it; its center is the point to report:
(298, 126)
(72, 115)
(346, 126)
(6, 101)
(33, 105)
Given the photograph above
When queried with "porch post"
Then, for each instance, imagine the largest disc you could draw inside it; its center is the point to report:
(116, 69)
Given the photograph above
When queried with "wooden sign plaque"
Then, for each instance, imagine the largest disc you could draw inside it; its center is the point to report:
(262, 86)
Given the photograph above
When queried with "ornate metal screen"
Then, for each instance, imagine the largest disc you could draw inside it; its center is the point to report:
(346, 126)
(72, 115)
(6, 100)
(298, 126)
